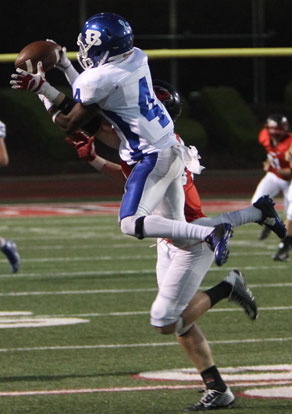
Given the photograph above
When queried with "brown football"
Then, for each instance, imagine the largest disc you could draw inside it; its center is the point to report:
(43, 51)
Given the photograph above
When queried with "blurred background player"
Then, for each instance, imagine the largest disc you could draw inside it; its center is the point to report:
(7, 247)
(181, 271)
(276, 139)
(286, 245)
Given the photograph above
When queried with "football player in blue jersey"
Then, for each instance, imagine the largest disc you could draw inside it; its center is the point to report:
(116, 83)
(7, 247)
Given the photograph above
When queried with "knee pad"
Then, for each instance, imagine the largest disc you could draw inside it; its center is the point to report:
(162, 312)
(133, 226)
(128, 225)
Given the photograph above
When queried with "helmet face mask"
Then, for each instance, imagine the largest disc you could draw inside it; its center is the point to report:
(277, 126)
(104, 37)
(170, 98)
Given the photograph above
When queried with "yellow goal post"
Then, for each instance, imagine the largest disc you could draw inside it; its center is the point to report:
(193, 53)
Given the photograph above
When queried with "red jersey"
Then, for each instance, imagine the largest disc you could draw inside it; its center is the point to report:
(276, 155)
(193, 206)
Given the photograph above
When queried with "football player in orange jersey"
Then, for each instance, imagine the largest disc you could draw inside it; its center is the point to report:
(276, 139)
(180, 271)
(286, 244)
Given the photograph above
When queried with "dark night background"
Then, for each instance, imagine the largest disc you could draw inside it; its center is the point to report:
(26, 21)
(204, 24)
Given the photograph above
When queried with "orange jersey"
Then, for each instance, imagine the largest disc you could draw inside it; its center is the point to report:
(276, 155)
(193, 206)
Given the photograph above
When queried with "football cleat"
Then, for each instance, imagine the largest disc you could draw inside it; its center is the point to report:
(218, 241)
(283, 252)
(213, 400)
(241, 294)
(270, 216)
(282, 255)
(10, 250)
(264, 234)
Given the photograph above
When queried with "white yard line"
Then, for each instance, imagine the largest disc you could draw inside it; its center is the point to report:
(145, 345)
(95, 390)
(128, 290)
(131, 272)
(111, 258)
(136, 313)
(84, 246)
(86, 258)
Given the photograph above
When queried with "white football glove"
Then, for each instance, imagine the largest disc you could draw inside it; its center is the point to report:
(64, 62)
(65, 65)
(28, 81)
(34, 82)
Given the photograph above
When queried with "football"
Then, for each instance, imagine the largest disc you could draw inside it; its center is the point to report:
(45, 51)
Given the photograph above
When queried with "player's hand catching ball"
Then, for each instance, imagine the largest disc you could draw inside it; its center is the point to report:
(63, 63)
(28, 81)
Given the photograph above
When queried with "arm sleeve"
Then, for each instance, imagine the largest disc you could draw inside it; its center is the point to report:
(2, 130)
(264, 137)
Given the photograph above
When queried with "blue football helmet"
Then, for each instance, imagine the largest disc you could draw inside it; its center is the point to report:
(105, 37)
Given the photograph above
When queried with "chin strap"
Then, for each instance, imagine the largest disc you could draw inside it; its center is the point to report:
(104, 59)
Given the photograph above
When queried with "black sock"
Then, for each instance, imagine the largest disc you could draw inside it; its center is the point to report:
(213, 379)
(219, 292)
(288, 241)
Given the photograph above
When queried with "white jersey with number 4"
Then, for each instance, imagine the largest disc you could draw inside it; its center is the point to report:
(123, 90)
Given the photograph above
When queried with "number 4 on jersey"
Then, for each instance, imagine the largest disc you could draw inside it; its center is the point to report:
(147, 107)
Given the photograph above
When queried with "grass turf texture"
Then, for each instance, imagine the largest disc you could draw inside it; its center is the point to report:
(83, 267)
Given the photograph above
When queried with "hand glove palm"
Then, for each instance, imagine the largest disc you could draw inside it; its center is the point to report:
(28, 81)
(84, 146)
(63, 62)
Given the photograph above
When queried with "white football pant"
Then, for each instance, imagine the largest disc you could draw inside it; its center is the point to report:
(272, 185)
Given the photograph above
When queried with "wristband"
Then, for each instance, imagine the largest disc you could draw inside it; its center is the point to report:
(55, 116)
(48, 104)
(66, 105)
(98, 163)
(49, 91)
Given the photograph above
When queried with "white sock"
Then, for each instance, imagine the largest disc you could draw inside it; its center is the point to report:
(156, 226)
(235, 218)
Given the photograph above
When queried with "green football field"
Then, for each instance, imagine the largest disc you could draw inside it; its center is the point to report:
(75, 334)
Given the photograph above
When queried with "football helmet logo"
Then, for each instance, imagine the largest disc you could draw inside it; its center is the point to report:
(105, 37)
(92, 37)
